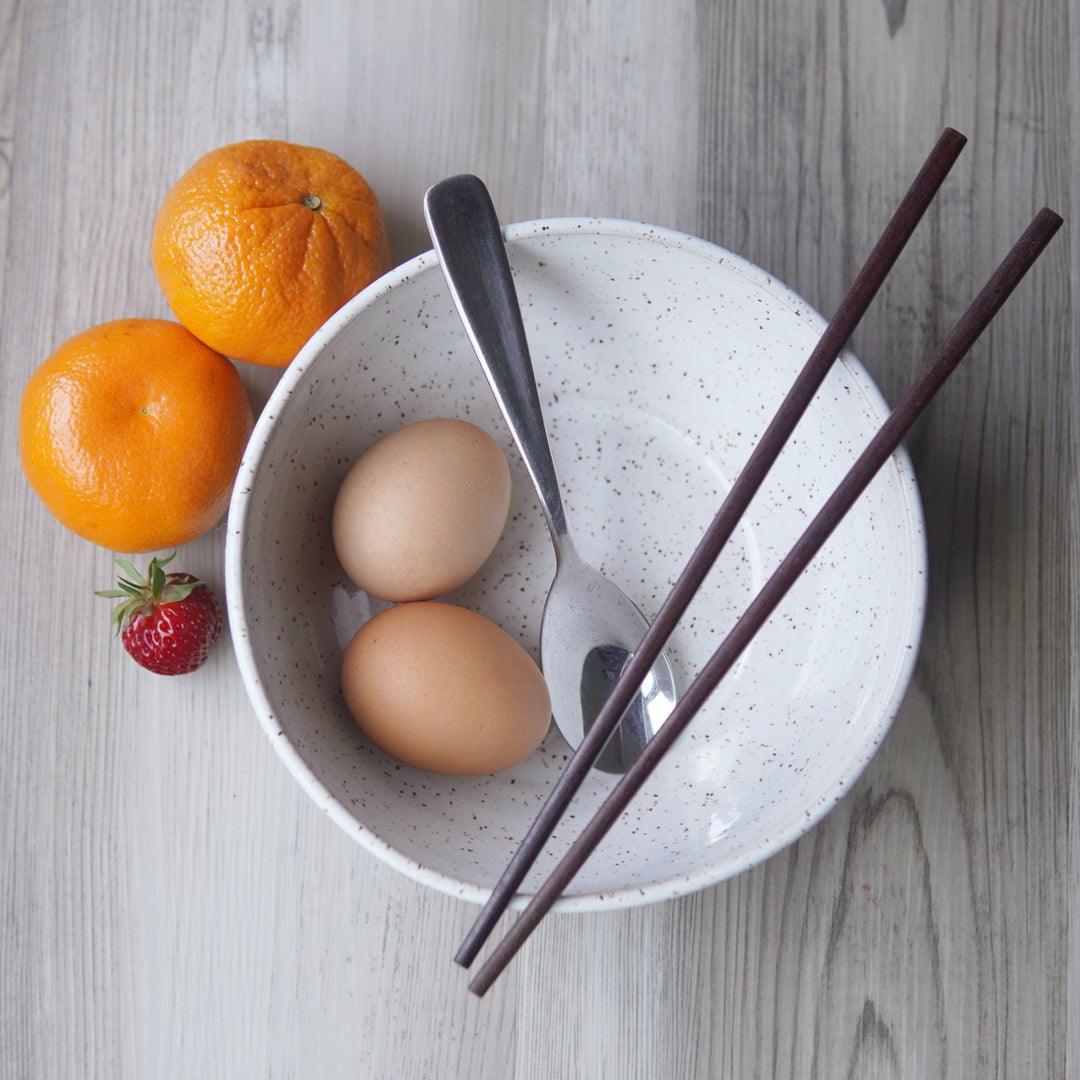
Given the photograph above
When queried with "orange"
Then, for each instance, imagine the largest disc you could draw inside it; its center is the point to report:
(260, 242)
(132, 432)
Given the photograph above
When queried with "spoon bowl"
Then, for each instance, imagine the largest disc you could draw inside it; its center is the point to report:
(589, 630)
(590, 626)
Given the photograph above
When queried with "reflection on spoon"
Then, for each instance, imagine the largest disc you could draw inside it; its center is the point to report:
(590, 626)
(601, 670)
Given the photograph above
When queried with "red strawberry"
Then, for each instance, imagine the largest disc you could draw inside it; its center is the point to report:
(168, 622)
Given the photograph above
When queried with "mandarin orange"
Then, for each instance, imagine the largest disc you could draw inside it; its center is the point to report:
(260, 242)
(131, 433)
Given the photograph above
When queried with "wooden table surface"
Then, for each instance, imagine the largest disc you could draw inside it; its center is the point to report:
(173, 905)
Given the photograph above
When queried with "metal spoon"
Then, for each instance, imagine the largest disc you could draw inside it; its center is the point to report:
(590, 626)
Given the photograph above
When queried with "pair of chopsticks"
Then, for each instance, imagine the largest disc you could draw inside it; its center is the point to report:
(888, 438)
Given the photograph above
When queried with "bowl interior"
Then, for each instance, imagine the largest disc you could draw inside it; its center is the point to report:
(660, 359)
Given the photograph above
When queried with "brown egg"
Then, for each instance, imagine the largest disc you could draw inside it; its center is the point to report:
(445, 689)
(422, 510)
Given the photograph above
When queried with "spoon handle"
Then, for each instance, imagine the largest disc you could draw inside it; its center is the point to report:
(465, 231)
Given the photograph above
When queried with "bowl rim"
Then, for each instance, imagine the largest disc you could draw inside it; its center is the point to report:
(802, 820)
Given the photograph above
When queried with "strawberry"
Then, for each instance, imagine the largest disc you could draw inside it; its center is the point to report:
(168, 622)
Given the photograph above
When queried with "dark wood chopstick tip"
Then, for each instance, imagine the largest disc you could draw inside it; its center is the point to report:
(483, 982)
(1051, 218)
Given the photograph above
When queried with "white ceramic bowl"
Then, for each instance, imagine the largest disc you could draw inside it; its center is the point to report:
(660, 360)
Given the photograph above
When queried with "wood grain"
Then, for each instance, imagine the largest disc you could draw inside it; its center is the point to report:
(172, 905)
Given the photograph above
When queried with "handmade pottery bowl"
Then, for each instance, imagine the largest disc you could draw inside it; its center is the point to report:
(660, 360)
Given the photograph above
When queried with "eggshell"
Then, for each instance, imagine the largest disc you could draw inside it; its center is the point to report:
(445, 689)
(422, 510)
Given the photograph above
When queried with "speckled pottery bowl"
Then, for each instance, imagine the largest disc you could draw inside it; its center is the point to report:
(660, 359)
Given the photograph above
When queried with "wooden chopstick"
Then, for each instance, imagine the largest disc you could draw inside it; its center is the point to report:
(852, 308)
(888, 438)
